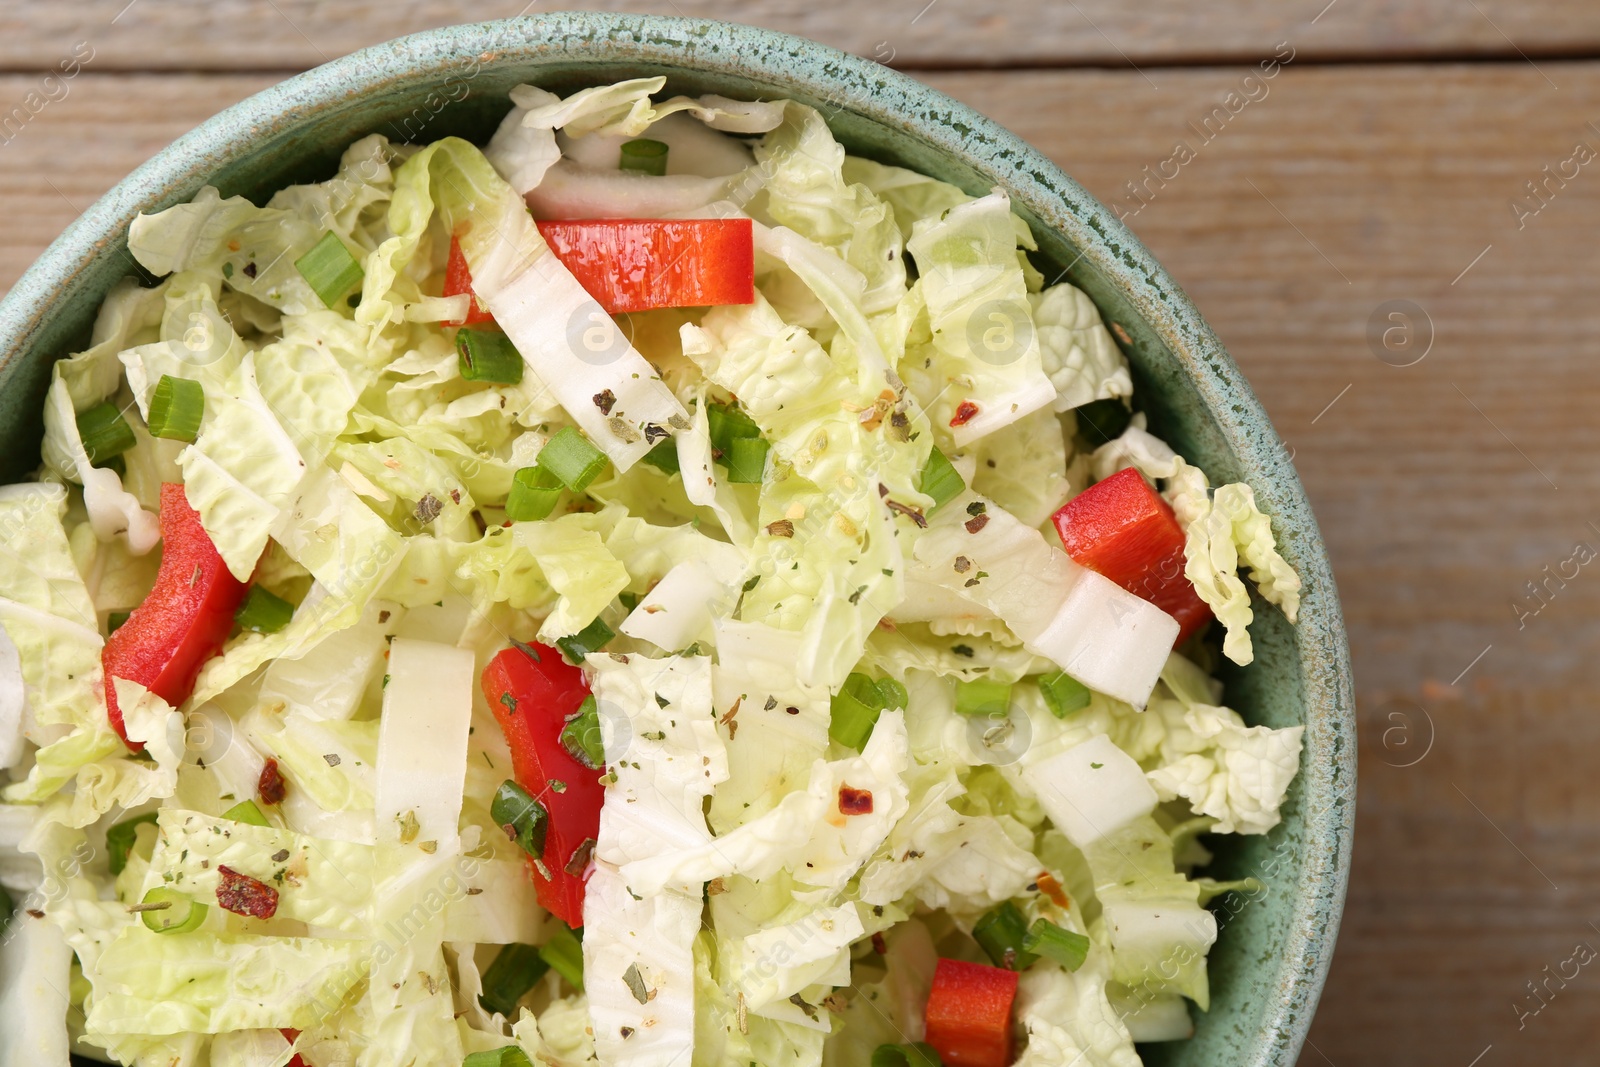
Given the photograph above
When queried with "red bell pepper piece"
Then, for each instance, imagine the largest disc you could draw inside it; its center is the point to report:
(641, 264)
(1121, 528)
(458, 280)
(968, 1016)
(532, 694)
(182, 623)
(292, 1036)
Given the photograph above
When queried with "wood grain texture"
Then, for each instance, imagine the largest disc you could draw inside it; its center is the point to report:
(1442, 487)
(294, 34)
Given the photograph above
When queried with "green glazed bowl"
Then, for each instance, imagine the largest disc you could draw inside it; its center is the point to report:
(1272, 957)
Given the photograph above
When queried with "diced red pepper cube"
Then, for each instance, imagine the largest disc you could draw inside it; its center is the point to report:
(1120, 528)
(968, 1016)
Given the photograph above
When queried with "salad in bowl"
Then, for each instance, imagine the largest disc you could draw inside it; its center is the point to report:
(652, 589)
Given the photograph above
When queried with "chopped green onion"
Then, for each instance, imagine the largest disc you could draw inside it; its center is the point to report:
(488, 356)
(747, 460)
(524, 819)
(1063, 693)
(263, 612)
(1001, 932)
(645, 156)
(534, 495)
(180, 915)
(114, 620)
(1102, 420)
(564, 953)
(939, 479)
(514, 971)
(920, 1054)
(510, 1056)
(1047, 939)
(591, 638)
(581, 735)
(982, 696)
(176, 407)
(727, 424)
(120, 839)
(106, 434)
(854, 711)
(664, 456)
(894, 694)
(570, 457)
(246, 812)
(329, 269)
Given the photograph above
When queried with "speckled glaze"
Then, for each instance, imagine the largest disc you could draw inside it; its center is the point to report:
(1269, 964)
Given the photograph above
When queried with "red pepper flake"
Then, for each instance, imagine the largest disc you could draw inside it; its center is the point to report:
(879, 945)
(853, 801)
(1051, 888)
(728, 719)
(243, 895)
(271, 785)
(976, 523)
(966, 411)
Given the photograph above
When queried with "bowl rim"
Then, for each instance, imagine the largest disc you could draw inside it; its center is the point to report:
(898, 101)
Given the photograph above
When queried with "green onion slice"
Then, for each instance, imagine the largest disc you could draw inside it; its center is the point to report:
(1000, 932)
(940, 480)
(591, 638)
(571, 458)
(727, 424)
(488, 356)
(510, 1056)
(246, 811)
(564, 953)
(664, 456)
(180, 915)
(514, 971)
(534, 495)
(645, 156)
(106, 434)
(1102, 420)
(1047, 939)
(176, 407)
(920, 1054)
(120, 840)
(854, 711)
(1063, 694)
(263, 612)
(523, 818)
(581, 735)
(329, 269)
(983, 696)
(747, 460)
(894, 694)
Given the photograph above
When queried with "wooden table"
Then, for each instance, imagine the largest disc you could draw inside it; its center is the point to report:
(1385, 163)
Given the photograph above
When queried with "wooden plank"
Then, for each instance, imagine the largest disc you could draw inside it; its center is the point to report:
(1299, 216)
(294, 34)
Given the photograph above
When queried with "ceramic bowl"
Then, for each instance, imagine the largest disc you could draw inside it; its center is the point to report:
(1272, 956)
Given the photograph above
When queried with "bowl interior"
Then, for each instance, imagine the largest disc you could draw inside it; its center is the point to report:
(1268, 966)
